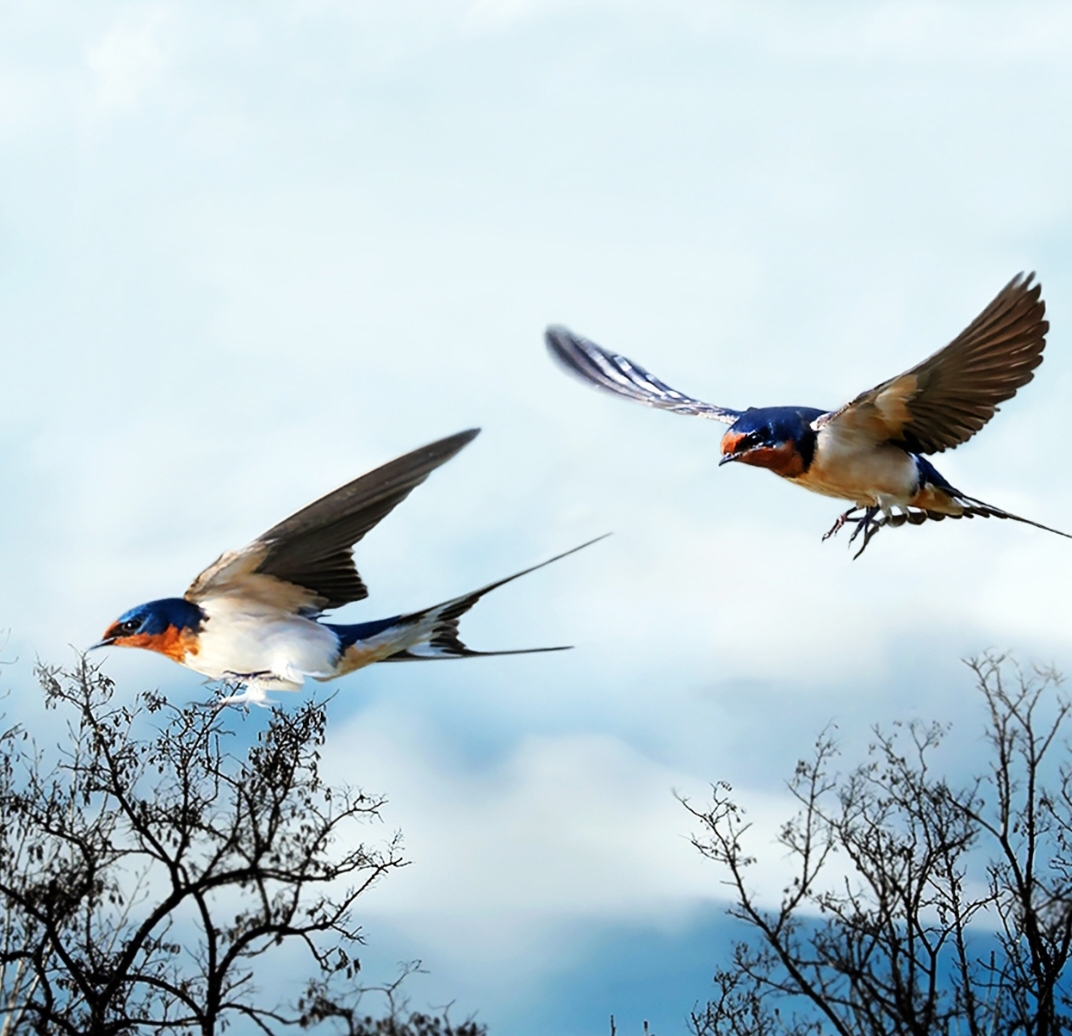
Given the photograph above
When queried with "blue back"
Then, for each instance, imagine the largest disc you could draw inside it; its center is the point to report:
(785, 422)
(360, 630)
(928, 473)
(155, 617)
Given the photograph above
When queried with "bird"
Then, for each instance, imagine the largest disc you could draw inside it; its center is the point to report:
(252, 619)
(873, 450)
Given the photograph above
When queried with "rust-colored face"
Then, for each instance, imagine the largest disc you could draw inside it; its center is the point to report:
(170, 626)
(173, 642)
(783, 458)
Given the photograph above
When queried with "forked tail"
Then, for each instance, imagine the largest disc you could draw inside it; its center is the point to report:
(430, 633)
(979, 509)
(872, 521)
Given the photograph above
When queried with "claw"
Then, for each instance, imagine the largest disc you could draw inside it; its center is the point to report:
(869, 526)
(872, 531)
(841, 520)
(864, 523)
(870, 522)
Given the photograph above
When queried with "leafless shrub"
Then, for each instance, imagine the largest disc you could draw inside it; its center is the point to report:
(952, 912)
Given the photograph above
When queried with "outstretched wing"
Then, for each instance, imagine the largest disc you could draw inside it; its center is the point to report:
(617, 374)
(305, 563)
(947, 398)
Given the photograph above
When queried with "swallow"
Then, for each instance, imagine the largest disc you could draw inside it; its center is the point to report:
(873, 450)
(252, 618)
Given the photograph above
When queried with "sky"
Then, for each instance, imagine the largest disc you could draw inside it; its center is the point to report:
(250, 251)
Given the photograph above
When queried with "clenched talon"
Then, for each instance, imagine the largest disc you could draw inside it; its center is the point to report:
(841, 520)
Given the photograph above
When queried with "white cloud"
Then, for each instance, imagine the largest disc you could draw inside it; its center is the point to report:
(924, 32)
(561, 827)
(499, 12)
(347, 239)
(130, 58)
(560, 833)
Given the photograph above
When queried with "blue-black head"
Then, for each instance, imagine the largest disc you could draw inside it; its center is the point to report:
(777, 437)
(164, 626)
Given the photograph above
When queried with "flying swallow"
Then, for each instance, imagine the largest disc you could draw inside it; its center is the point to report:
(871, 451)
(252, 617)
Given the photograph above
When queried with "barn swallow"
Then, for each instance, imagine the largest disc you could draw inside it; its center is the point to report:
(871, 451)
(252, 617)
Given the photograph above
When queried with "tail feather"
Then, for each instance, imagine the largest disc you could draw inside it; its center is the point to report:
(972, 509)
(438, 625)
(871, 524)
(979, 509)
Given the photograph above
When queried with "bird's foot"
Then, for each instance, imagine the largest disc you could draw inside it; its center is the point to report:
(841, 520)
(871, 521)
(254, 692)
(869, 525)
(250, 696)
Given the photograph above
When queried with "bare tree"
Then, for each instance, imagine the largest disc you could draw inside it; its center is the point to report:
(914, 907)
(149, 867)
(320, 1004)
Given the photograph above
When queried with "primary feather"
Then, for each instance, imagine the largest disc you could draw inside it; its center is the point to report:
(943, 401)
(620, 375)
(311, 552)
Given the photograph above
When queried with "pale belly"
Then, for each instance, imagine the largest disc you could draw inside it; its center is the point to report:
(235, 643)
(867, 475)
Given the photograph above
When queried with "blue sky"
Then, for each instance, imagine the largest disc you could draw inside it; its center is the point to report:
(250, 251)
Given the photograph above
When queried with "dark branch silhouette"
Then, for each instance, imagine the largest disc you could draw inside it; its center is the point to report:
(150, 867)
(915, 908)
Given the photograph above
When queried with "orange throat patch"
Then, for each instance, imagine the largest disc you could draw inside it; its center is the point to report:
(784, 460)
(173, 642)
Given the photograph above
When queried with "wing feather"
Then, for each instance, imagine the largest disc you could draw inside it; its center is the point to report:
(313, 549)
(946, 399)
(620, 375)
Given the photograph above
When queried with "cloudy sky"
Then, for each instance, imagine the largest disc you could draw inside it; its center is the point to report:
(248, 251)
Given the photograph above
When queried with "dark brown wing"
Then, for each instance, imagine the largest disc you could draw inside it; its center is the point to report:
(312, 549)
(947, 398)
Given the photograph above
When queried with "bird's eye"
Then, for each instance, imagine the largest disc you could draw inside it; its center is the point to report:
(130, 626)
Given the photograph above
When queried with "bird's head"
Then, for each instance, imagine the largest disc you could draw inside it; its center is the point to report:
(779, 438)
(170, 626)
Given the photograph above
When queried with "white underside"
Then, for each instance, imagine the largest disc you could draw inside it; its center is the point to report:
(242, 637)
(869, 475)
(248, 642)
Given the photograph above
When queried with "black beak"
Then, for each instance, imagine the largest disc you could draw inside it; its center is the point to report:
(726, 458)
(100, 643)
